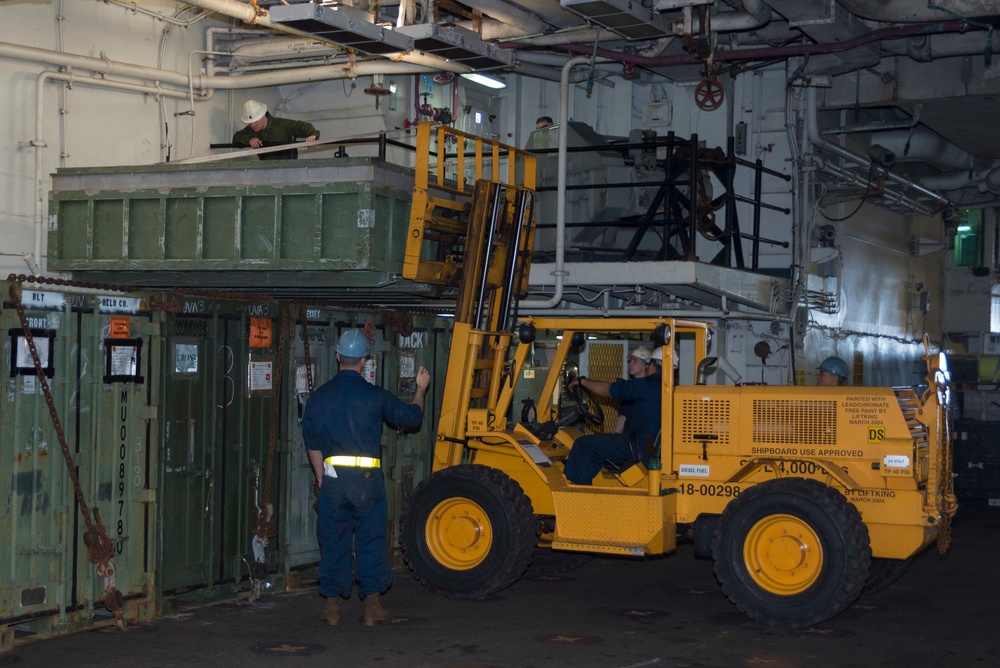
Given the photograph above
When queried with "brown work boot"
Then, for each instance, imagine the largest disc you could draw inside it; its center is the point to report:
(374, 613)
(331, 612)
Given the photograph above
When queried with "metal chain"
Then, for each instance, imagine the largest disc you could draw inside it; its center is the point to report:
(305, 348)
(309, 384)
(946, 497)
(265, 524)
(100, 546)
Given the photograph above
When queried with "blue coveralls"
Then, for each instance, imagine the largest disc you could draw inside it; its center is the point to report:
(590, 452)
(344, 417)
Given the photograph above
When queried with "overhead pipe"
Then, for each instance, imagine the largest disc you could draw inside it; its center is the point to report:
(752, 15)
(987, 180)
(862, 181)
(509, 14)
(38, 143)
(578, 36)
(248, 14)
(925, 48)
(817, 140)
(923, 144)
(563, 134)
(905, 11)
(769, 53)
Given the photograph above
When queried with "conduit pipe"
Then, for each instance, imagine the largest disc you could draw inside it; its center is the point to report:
(854, 179)
(755, 14)
(814, 137)
(39, 141)
(581, 36)
(921, 143)
(771, 53)
(158, 76)
(925, 48)
(899, 11)
(507, 13)
(248, 14)
(987, 180)
(563, 134)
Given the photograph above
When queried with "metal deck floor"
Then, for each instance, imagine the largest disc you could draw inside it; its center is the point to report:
(609, 613)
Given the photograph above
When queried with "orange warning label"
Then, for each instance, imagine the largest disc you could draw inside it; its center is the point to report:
(120, 328)
(260, 332)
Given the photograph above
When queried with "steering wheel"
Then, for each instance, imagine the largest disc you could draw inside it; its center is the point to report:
(580, 396)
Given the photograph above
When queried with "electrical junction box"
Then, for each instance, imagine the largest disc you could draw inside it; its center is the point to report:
(657, 113)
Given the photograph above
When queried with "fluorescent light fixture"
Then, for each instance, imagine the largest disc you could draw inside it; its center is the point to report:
(483, 80)
(964, 228)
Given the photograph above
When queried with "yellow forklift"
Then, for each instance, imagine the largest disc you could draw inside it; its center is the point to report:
(803, 497)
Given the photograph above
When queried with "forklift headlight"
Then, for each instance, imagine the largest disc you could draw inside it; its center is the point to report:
(661, 335)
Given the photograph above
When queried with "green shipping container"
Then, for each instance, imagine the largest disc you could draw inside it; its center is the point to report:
(98, 354)
(334, 223)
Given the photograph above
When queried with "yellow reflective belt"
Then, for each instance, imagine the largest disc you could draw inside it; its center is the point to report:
(360, 462)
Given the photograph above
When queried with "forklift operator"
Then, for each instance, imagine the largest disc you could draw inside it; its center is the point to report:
(641, 429)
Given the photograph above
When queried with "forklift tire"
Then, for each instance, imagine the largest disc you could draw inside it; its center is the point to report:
(468, 531)
(883, 573)
(791, 552)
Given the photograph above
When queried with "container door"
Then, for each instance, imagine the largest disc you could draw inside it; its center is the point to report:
(196, 360)
(300, 497)
(98, 358)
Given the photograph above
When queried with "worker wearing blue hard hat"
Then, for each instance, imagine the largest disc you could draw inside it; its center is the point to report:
(342, 429)
(832, 372)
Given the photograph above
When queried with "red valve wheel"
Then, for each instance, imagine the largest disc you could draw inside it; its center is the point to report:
(708, 94)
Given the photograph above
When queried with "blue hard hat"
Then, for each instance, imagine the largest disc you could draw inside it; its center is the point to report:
(834, 365)
(353, 343)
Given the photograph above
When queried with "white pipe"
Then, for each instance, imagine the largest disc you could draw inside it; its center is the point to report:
(921, 143)
(267, 48)
(507, 13)
(581, 36)
(246, 13)
(563, 134)
(100, 65)
(812, 132)
(39, 142)
(135, 8)
(158, 76)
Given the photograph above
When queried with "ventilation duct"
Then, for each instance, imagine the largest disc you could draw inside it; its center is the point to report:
(457, 45)
(340, 25)
(624, 17)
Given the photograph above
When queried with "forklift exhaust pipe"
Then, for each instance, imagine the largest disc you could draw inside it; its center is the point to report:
(723, 365)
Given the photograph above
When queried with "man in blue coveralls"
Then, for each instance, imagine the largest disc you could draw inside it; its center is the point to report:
(342, 427)
(641, 429)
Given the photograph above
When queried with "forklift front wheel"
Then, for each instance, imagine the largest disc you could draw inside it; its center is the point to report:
(468, 531)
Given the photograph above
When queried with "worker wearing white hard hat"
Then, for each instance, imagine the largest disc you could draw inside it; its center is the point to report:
(638, 441)
(264, 129)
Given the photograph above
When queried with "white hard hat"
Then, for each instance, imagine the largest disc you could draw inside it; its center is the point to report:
(642, 353)
(657, 355)
(253, 111)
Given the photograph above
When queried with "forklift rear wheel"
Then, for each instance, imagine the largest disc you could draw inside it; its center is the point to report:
(883, 573)
(468, 531)
(791, 552)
